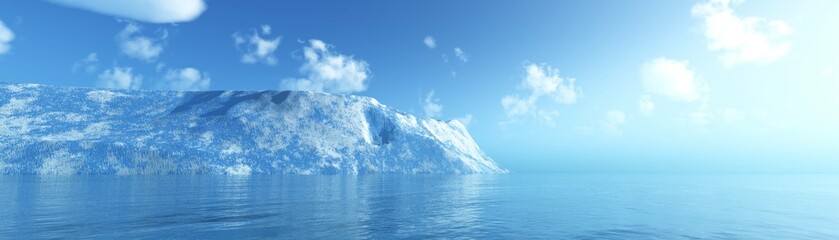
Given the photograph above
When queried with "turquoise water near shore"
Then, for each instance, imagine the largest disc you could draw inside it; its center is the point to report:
(516, 205)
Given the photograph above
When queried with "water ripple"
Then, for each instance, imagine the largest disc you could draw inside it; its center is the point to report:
(513, 206)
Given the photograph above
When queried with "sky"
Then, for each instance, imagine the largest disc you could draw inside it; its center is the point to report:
(543, 86)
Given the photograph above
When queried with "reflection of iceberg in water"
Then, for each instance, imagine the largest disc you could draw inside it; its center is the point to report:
(421, 205)
(239, 207)
(12, 200)
(366, 206)
(463, 204)
(50, 204)
(233, 212)
(51, 198)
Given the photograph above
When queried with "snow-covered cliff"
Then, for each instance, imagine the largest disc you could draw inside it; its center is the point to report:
(59, 130)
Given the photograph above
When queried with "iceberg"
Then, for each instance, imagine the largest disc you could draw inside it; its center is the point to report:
(62, 131)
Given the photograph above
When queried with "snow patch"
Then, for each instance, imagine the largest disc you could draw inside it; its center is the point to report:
(74, 117)
(240, 169)
(20, 87)
(72, 135)
(19, 126)
(103, 96)
(407, 120)
(207, 138)
(231, 148)
(60, 163)
(4, 166)
(14, 88)
(15, 105)
(97, 129)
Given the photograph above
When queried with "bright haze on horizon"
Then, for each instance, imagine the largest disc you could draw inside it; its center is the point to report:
(649, 86)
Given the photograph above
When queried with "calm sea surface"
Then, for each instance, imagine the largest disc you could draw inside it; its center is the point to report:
(509, 206)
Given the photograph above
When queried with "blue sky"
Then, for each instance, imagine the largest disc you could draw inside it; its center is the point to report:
(577, 86)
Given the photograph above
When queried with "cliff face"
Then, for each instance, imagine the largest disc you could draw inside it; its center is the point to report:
(59, 130)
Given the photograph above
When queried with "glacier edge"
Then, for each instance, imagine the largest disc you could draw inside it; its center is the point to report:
(61, 130)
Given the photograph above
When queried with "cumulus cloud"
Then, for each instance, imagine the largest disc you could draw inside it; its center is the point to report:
(256, 48)
(88, 64)
(134, 44)
(460, 54)
(541, 81)
(514, 105)
(614, 121)
(153, 11)
(672, 79)
(429, 42)
(266, 29)
(676, 81)
(119, 78)
(6, 36)
(742, 39)
(329, 71)
(646, 105)
(433, 109)
(547, 117)
(432, 106)
(188, 79)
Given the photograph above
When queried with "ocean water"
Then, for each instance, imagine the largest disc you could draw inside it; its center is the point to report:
(505, 206)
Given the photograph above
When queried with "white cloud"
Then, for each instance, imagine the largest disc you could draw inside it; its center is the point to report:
(541, 81)
(701, 116)
(432, 106)
(646, 105)
(89, 63)
(429, 42)
(329, 71)
(134, 44)
(189, 79)
(545, 81)
(153, 11)
(6, 36)
(732, 115)
(672, 79)
(119, 78)
(433, 109)
(460, 54)
(515, 106)
(159, 67)
(547, 117)
(614, 121)
(675, 80)
(255, 48)
(266, 29)
(742, 39)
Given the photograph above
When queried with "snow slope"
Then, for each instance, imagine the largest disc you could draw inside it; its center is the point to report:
(59, 130)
